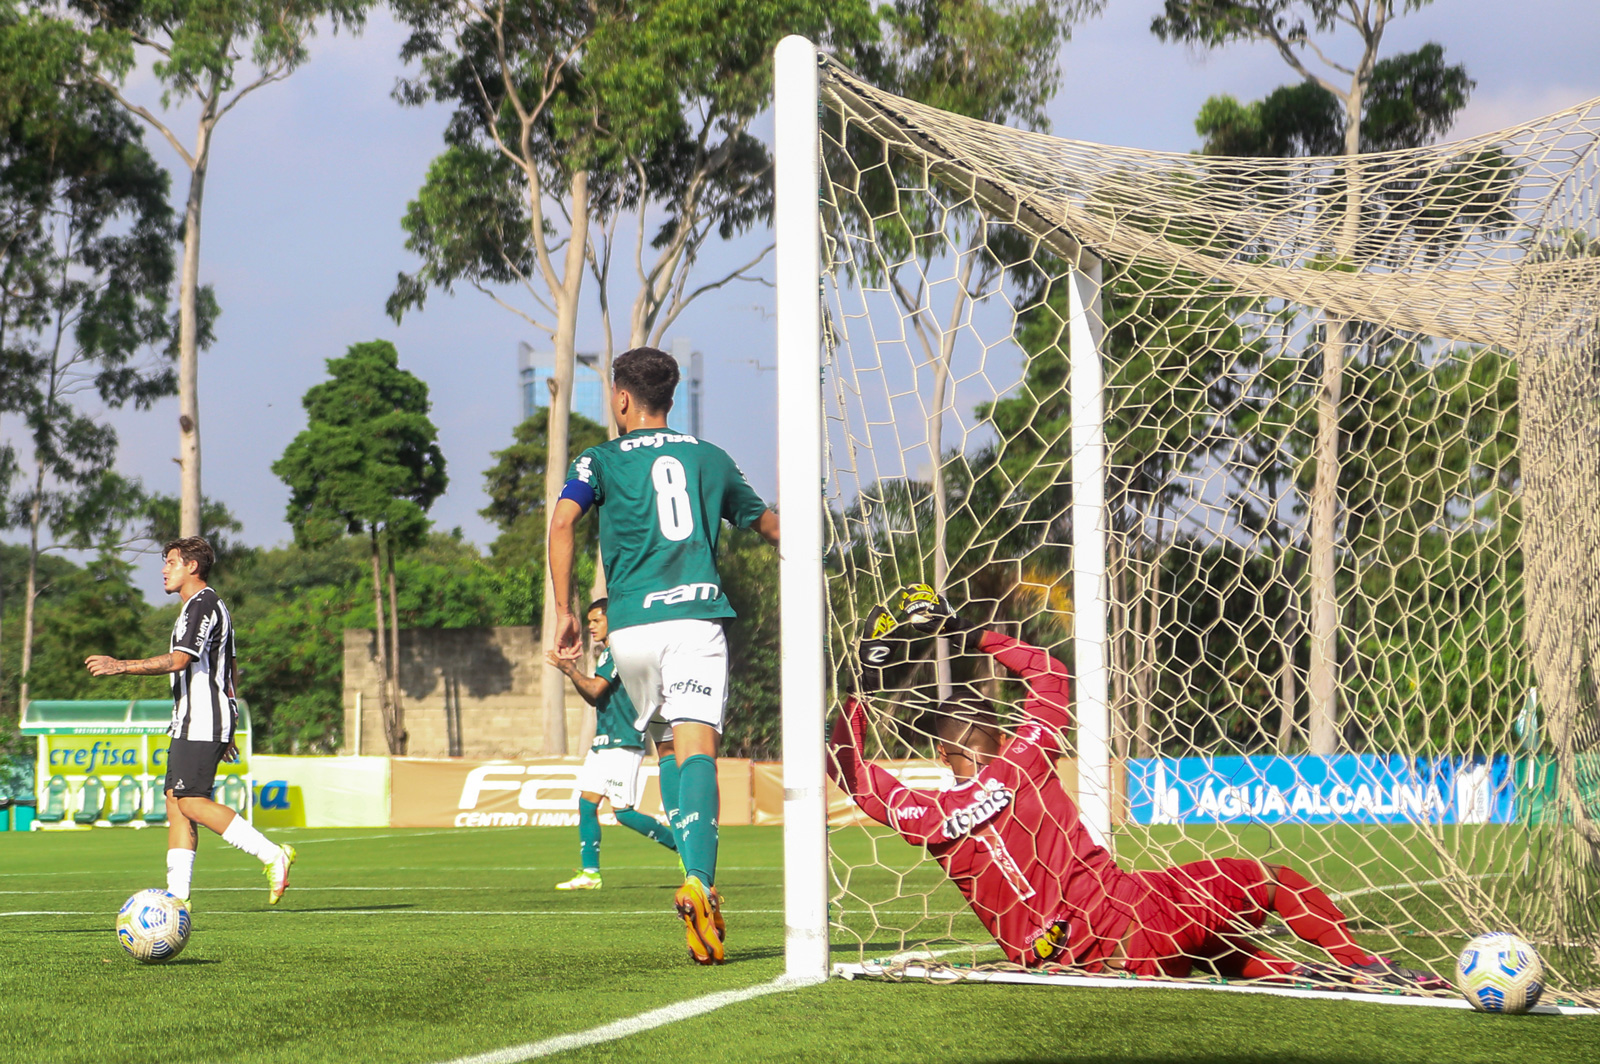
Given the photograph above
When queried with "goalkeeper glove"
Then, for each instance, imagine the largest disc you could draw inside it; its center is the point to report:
(879, 649)
(924, 609)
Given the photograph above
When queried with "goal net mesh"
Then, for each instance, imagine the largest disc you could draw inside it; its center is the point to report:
(1351, 411)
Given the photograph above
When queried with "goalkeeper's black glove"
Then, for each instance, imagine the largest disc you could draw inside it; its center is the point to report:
(880, 649)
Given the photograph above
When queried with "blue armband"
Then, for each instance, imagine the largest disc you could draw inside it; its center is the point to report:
(580, 493)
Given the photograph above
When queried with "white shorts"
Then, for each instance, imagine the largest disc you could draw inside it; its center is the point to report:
(674, 672)
(614, 774)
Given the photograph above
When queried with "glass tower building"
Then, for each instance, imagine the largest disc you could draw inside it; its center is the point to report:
(590, 393)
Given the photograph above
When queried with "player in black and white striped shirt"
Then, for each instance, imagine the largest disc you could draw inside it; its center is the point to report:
(201, 663)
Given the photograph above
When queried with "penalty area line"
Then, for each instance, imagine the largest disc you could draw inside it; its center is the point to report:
(645, 1021)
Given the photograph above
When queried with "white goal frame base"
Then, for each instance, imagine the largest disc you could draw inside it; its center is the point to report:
(942, 974)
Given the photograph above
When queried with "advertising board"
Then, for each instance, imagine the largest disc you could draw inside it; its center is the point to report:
(1343, 789)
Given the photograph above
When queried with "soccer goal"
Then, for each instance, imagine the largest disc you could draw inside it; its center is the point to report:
(1294, 462)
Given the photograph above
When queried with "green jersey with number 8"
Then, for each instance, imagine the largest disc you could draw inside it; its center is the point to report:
(663, 496)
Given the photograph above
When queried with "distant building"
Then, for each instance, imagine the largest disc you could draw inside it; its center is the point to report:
(534, 370)
(686, 400)
(590, 391)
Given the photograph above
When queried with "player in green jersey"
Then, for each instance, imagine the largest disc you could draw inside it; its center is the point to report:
(611, 768)
(663, 496)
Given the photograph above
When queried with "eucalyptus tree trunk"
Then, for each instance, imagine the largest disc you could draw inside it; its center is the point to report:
(189, 323)
(392, 734)
(554, 684)
(394, 651)
(939, 360)
(1322, 677)
(32, 593)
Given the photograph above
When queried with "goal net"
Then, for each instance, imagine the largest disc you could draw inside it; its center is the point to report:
(1295, 463)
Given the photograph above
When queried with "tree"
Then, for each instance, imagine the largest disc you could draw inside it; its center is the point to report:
(683, 82)
(367, 461)
(997, 62)
(198, 51)
(88, 261)
(567, 113)
(292, 605)
(93, 606)
(515, 486)
(1289, 26)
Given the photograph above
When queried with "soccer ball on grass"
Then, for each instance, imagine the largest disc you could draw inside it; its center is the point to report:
(1499, 972)
(153, 926)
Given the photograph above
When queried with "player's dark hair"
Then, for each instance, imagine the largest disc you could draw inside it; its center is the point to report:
(193, 549)
(648, 374)
(951, 720)
(597, 604)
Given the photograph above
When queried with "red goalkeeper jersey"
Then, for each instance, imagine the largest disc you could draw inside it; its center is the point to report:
(1009, 837)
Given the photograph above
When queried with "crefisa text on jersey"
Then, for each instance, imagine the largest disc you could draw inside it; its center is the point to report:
(672, 596)
(655, 439)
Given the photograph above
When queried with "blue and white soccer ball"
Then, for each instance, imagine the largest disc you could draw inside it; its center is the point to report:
(153, 926)
(1499, 972)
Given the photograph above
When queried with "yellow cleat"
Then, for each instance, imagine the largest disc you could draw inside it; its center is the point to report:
(277, 873)
(702, 920)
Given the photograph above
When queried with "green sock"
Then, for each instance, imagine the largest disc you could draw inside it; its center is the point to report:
(698, 805)
(589, 834)
(648, 826)
(669, 795)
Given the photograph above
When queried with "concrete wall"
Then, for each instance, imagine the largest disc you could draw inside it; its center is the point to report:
(485, 678)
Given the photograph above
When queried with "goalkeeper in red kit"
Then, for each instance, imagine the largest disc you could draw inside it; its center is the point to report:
(1011, 839)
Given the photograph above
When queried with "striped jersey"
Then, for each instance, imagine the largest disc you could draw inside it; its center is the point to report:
(203, 697)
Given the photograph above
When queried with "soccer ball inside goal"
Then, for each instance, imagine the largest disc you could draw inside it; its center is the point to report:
(153, 926)
(1498, 972)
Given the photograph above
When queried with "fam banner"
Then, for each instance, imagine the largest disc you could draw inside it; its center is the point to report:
(1343, 789)
(459, 793)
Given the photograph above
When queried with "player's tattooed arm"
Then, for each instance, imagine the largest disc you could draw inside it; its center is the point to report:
(105, 665)
(592, 688)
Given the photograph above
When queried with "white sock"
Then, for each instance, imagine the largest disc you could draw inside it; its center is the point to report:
(180, 870)
(251, 841)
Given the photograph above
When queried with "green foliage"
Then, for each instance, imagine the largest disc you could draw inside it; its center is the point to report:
(515, 486)
(994, 61)
(86, 259)
(1212, 23)
(80, 611)
(651, 101)
(1411, 99)
(201, 43)
(292, 604)
(749, 569)
(367, 459)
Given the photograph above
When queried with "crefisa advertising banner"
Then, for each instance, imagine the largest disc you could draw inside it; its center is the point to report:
(1344, 789)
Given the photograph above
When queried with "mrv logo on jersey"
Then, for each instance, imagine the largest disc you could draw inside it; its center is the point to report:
(674, 596)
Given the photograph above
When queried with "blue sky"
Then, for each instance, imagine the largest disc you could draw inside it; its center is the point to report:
(309, 179)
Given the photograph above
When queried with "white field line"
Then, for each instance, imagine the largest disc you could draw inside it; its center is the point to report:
(645, 1021)
(1419, 883)
(363, 838)
(278, 914)
(851, 971)
(565, 868)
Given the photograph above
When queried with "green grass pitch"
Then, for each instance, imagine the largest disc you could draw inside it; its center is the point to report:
(426, 946)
